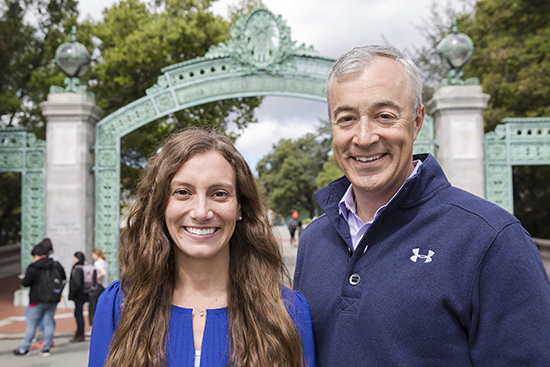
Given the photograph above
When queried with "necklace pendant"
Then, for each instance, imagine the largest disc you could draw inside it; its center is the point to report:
(201, 313)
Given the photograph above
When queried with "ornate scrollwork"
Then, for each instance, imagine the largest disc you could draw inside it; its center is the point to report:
(260, 41)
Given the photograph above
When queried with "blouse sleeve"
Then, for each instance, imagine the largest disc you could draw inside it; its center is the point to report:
(107, 314)
(300, 314)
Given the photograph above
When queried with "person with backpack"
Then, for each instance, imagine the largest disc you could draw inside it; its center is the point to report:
(79, 290)
(47, 244)
(46, 278)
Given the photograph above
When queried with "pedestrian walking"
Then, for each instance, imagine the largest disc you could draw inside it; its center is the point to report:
(76, 294)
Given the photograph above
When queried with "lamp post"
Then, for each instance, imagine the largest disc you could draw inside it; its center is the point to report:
(456, 51)
(73, 60)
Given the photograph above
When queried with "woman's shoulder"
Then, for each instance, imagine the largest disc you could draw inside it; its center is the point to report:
(113, 293)
(113, 289)
(294, 299)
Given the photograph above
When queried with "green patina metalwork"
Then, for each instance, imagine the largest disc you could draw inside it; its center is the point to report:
(514, 142)
(260, 59)
(22, 152)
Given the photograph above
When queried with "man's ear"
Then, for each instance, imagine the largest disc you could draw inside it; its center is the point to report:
(419, 120)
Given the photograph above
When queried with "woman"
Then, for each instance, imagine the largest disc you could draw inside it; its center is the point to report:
(102, 269)
(76, 294)
(201, 270)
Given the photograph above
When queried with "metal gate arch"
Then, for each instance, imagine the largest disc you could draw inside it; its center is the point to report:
(514, 142)
(260, 59)
(22, 152)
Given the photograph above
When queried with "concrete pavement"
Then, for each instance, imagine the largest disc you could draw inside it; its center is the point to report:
(64, 353)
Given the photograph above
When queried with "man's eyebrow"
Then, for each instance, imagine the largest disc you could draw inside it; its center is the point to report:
(380, 104)
(343, 109)
(389, 103)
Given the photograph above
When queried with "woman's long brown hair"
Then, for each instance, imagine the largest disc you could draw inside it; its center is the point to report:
(261, 332)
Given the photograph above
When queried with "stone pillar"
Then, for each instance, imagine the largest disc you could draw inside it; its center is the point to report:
(69, 184)
(458, 115)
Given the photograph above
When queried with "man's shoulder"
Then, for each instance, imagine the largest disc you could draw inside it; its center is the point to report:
(317, 222)
(319, 227)
(476, 206)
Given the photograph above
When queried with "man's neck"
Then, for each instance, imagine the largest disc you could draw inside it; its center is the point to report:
(367, 205)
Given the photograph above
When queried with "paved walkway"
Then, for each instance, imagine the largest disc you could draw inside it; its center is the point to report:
(12, 322)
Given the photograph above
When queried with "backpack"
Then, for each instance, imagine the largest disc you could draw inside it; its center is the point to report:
(50, 285)
(89, 283)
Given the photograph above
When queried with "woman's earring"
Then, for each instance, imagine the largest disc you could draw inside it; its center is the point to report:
(240, 218)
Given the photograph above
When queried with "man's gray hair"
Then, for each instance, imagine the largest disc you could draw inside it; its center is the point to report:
(359, 58)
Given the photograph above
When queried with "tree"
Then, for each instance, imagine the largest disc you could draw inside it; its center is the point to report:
(135, 41)
(30, 32)
(331, 171)
(287, 175)
(512, 57)
(27, 51)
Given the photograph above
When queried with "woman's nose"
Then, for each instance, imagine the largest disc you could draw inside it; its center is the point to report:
(201, 209)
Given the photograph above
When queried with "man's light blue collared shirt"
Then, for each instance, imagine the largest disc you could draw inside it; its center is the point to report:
(348, 210)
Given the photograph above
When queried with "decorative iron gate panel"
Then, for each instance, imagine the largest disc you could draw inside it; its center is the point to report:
(514, 142)
(22, 152)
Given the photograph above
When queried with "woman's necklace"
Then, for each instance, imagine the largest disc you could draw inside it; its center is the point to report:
(201, 312)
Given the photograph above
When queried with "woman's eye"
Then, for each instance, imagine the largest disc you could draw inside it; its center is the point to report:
(180, 193)
(221, 194)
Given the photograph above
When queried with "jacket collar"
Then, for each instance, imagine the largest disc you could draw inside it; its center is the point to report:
(429, 180)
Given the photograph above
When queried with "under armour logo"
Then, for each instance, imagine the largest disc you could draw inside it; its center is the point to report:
(416, 256)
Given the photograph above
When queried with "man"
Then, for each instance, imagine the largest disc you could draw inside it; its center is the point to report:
(40, 308)
(403, 269)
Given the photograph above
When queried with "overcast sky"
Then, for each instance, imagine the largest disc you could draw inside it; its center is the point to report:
(332, 27)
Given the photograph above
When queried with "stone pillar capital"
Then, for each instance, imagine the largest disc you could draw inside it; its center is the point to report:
(71, 108)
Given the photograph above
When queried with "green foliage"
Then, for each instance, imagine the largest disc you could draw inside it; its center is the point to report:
(512, 57)
(26, 57)
(287, 175)
(135, 41)
(331, 171)
(10, 208)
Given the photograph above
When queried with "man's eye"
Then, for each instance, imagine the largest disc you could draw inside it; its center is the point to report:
(345, 120)
(385, 117)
